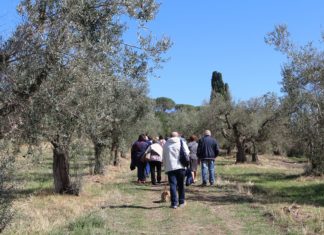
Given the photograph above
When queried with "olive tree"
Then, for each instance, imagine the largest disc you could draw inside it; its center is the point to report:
(245, 124)
(186, 120)
(117, 107)
(67, 42)
(6, 168)
(303, 84)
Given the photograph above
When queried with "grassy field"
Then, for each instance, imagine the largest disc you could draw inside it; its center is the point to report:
(272, 197)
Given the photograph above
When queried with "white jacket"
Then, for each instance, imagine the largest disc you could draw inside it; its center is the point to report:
(171, 154)
(157, 148)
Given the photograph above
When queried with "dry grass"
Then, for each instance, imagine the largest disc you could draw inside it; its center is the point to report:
(118, 206)
(281, 180)
(43, 211)
(245, 188)
(297, 219)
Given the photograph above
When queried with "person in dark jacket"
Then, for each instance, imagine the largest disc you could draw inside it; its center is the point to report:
(207, 151)
(138, 150)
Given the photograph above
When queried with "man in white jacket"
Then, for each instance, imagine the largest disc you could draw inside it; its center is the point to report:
(174, 169)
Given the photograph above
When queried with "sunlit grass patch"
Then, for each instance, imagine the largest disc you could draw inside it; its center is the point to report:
(255, 221)
(278, 183)
(296, 219)
(88, 224)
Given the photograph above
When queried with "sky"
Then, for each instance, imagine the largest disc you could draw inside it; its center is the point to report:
(219, 35)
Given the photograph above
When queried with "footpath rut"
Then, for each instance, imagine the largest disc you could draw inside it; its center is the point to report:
(209, 210)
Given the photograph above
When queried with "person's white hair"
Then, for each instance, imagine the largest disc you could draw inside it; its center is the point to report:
(207, 132)
(174, 134)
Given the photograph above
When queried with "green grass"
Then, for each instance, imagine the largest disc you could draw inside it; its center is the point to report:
(33, 176)
(30, 178)
(90, 224)
(277, 188)
(255, 220)
(122, 207)
(86, 223)
(276, 185)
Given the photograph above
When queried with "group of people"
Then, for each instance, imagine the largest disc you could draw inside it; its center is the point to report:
(155, 152)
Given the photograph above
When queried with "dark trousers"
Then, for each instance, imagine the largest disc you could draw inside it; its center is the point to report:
(157, 165)
(176, 181)
(140, 170)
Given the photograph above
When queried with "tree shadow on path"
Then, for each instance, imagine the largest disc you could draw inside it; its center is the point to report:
(217, 196)
(132, 207)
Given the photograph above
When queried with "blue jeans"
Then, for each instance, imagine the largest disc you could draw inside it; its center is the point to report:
(210, 166)
(176, 181)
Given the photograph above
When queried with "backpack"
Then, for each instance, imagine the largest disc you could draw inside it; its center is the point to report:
(184, 158)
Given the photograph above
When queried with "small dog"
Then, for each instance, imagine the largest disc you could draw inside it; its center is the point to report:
(165, 196)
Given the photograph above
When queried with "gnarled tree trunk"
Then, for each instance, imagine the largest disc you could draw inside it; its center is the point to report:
(62, 182)
(255, 157)
(114, 153)
(240, 155)
(228, 150)
(115, 148)
(99, 164)
(239, 140)
(116, 157)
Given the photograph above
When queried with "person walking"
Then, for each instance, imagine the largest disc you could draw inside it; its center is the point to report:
(137, 151)
(207, 151)
(174, 169)
(161, 140)
(155, 161)
(193, 145)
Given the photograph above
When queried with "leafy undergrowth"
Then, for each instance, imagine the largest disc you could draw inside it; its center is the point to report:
(269, 198)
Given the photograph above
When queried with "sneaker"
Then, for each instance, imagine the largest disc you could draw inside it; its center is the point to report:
(212, 184)
(182, 205)
(203, 184)
(173, 207)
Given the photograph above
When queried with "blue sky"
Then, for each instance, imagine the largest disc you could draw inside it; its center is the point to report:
(228, 36)
(223, 35)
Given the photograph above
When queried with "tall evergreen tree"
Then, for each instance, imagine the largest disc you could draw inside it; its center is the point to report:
(218, 86)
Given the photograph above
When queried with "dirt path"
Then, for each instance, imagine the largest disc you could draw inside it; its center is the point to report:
(115, 204)
(217, 209)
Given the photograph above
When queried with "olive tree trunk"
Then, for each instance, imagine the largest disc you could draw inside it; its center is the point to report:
(228, 150)
(116, 157)
(240, 155)
(255, 157)
(239, 141)
(99, 161)
(114, 149)
(62, 182)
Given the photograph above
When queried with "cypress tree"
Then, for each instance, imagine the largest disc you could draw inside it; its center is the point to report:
(218, 86)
